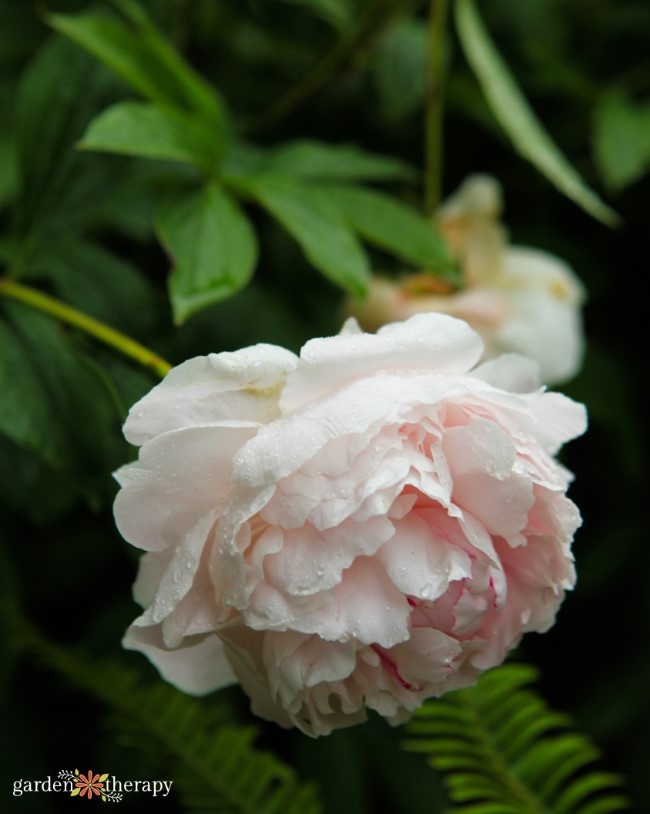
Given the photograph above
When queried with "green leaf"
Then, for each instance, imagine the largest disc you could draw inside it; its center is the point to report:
(140, 129)
(622, 139)
(385, 222)
(400, 69)
(338, 13)
(518, 119)
(54, 405)
(99, 283)
(144, 58)
(213, 246)
(327, 241)
(24, 474)
(342, 162)
(214, 765)
(484, 775)
(59, 93)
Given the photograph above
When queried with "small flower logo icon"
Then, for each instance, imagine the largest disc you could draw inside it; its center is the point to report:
(89, 784)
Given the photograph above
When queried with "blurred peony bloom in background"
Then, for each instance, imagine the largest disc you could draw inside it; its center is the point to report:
(519, 299)
(365, 526)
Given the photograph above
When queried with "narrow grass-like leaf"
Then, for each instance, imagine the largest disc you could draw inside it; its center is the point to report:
(517, 117)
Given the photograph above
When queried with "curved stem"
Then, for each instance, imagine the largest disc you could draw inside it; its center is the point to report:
(433, 117)
(66, 313)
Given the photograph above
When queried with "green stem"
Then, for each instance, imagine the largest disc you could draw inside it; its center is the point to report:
(65, 313)
(433, 117)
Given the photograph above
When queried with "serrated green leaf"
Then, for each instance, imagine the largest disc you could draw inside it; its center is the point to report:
(213, 246)
(141, 129)
(393, 226)
(517, 117)
(327, 241)
(335, 162)
(621, 139)
(144, 58)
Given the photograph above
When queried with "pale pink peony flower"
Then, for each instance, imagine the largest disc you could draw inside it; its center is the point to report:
(366, 526)
(519, 299)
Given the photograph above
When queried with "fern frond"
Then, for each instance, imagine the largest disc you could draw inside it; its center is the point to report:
(501, 750)
(213, 764)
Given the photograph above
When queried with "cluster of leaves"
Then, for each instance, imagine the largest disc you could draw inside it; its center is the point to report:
(212, 761)
(503, 751)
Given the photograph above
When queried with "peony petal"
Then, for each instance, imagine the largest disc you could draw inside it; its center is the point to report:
(179, 575)
(510, 371)
(558, 419)
(198, 667)
(311, 560)
(501, 506)
(210, 389)
(284, 446)
(431, 342)
(180, 476)
(481, 447)
(420, 563)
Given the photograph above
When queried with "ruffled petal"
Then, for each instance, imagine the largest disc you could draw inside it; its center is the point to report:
(241, 386)
(426, 342)
(198, 667)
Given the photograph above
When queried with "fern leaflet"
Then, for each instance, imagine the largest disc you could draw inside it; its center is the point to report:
(501, 750)
(213, 763)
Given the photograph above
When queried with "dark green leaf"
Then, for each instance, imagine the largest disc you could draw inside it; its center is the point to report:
(400, 69)
(213, 246)
(58, 188)
(23, 475)
(392, 225)
(622, 139)
(484, 775)
(343, 162)
(336, 12)
(327, 241)
(54, 405)
(144, 58)
(102, 284)
(517, 117)
(139, 129)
